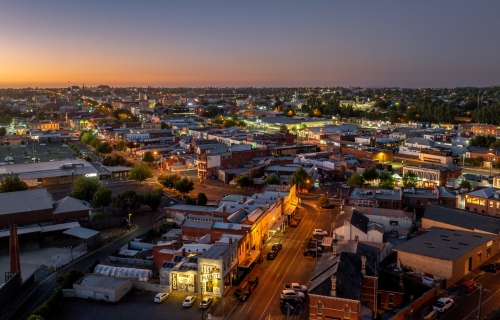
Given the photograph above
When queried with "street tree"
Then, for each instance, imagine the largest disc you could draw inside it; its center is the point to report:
(300, 177)
(120, 145)
(84, 188)
(86, 138)
(370, 174)
(202, 199)
(243, 180)
(465, 184)
(409, 179)
(127, 200)
(386, 181)
(12, 183)
(94, 142)
(102, 197)
(148, 157)
(3, 131)
(322, 200)
(356, 180)
(184, 185)
(140, 172)
(168, 180)
(271, 179)
(104, 148)
(153, 199)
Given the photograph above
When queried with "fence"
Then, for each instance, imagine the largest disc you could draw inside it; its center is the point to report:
(415, 308)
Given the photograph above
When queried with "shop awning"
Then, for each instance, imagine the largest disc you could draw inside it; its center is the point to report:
(249, 259)
(277, 224)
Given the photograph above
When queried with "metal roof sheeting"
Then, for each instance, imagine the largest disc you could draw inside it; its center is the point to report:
(130, 273)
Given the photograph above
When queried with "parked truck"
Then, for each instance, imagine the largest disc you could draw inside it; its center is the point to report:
(252, 284)
(295, 222)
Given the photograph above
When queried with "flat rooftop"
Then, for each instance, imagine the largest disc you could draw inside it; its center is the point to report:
(444, 243)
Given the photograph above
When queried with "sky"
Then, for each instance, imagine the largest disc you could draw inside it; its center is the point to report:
(255, 43)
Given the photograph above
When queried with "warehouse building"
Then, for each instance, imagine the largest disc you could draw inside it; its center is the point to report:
(101, 288)
(44, 174)
(448, 255)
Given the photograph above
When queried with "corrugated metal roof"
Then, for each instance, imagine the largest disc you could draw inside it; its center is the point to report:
(25, 201)
(80, 232)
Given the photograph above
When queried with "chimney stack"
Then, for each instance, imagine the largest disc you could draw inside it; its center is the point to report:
(230, 240)
(224, 208)
(15, 261)
(401, 280)
(333, 291)
(335, 248)
(363, 265)
(183, 252)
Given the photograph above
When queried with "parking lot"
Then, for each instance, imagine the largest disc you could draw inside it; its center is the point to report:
(49, 151)
(135, 305)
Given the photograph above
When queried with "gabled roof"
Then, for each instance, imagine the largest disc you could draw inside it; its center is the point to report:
(462, 219)
(347, 269)
(356, 219)
(70, 204)
(483, 193)
(25, 201)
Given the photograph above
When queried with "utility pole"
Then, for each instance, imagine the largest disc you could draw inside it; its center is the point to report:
(481, 289)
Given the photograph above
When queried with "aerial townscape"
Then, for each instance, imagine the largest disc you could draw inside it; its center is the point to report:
(183, 168)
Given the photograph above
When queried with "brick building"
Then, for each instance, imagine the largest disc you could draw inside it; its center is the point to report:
(430, 176)
(483, 201)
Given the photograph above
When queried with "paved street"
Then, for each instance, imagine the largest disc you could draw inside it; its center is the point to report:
(289, 266)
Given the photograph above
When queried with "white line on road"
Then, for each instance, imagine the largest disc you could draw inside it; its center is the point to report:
(475, 310)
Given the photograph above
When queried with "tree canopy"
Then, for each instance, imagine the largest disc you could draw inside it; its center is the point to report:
(127, 200)
(465, 184)
(300, 177)
(12, 184)
(84, 188)
(140, 172)
(184, 185)
(202, 199)
(168, 180)
(243, 180)
(153, 199)
(322, 200)
(409, 179)
(148, 157)
(356, 180)
(370, 174)
(102, 197)
(271, 179)
(104, 148)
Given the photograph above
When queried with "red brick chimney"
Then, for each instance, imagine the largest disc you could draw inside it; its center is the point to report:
(15, 261)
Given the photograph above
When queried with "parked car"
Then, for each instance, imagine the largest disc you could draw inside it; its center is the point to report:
(319, 232)
(443, 304)
(272, 254)
(493, 267)
(64, 145)
(468, 286)
(188, 302)
(206, 302)
(160, 297)
(297, 287)
(277, 246)
(291, 294)
(242, 289)
(345, 186)
(42, 144)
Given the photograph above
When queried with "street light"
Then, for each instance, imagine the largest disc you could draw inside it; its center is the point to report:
(129, 215)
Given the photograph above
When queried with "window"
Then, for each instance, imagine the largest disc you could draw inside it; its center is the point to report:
(391, 299)
(491, 204)
(319, 305)
(347, 312)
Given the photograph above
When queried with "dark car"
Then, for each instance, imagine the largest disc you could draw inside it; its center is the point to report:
(468, 286)
(272, 254)
(494, 267)
(277, 246)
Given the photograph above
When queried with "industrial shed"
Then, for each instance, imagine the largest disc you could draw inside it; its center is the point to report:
(96, 287)
(131, 273)
(91, 237)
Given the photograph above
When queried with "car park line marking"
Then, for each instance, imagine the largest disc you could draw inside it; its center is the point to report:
(473, 311)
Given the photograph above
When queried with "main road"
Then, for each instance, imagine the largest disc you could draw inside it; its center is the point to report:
(47, 286)
(289, 266)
